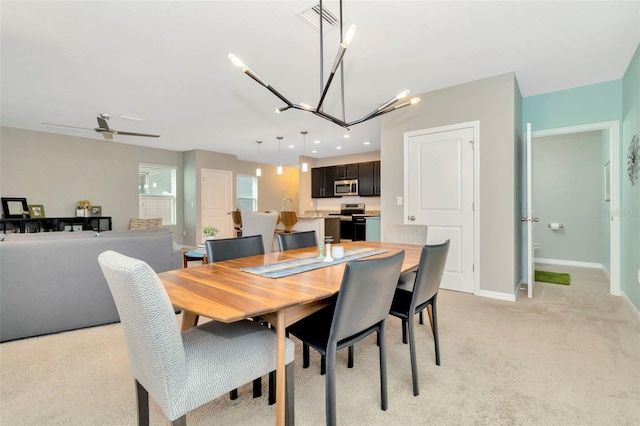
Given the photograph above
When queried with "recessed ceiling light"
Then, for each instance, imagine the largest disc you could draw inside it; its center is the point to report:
(316, 141)
(338, 147)
(367, 143)
(314, 151)
(346, 136)
(291, 146)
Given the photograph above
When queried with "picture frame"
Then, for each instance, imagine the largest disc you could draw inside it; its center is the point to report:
(36, 211)
(14, 206)
(607, 181)
(96, 211)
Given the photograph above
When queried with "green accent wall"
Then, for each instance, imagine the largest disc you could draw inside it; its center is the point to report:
(595, 103)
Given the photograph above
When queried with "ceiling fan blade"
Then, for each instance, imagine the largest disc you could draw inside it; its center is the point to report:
(118, 132)
(64, 125)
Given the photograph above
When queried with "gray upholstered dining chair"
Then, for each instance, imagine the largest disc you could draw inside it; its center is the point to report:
(406, 234)
(222, 249)
(296, 240)
(184, 370)
(259, 223)
(362, 308)
(424, 294)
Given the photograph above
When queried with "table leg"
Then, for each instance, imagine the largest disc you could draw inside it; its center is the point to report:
(189, 320)
(280, 367)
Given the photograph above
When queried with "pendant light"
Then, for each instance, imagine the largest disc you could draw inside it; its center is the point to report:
(258, 169)
(279, 170)
(305, 165)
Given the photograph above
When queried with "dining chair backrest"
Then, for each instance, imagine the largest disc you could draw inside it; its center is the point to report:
(296, 240)
(154, 343)
(430, 271)
(233, 248)
(405, 234)
(365, 295)
(259, 223)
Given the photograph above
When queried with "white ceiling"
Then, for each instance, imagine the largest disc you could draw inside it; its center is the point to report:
(66, 62)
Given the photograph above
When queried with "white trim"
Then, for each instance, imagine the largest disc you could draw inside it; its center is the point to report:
(495, 295)
(562, 262)
(475, 125)
(614, 154)
(633, 309)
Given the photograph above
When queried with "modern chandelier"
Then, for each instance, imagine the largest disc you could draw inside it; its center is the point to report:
(388, 106)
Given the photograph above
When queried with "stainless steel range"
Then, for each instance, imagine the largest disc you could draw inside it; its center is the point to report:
(353, 225)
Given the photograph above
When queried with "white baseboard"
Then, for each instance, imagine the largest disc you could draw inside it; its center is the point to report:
(633, 309)
(496, 295)
(569, 263)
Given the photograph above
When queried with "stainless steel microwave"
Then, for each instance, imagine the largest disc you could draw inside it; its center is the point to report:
(345, 187)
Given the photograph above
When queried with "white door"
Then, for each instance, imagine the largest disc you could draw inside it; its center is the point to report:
(529, 220)
(439, 185)
(217, 202)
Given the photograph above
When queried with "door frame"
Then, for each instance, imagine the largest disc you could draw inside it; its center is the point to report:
(475, 125)
(614, 206)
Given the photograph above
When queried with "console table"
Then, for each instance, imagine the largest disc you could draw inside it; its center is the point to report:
(53, 224)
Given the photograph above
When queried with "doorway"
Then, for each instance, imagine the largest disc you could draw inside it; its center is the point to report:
(217, 202)
(610, 166)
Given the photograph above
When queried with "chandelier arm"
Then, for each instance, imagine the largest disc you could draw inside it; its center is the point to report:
(378, 113)
(269, 88)
(321, 51)
(330, 118)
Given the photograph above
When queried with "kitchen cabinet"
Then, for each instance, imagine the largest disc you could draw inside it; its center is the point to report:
(347, 171)
(322, 179)
(369, 179)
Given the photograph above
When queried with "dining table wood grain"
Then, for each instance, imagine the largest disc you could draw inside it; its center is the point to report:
(223, 292)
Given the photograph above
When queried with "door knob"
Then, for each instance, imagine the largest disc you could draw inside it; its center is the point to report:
(523, 219)
(412, 218)
(535, 219)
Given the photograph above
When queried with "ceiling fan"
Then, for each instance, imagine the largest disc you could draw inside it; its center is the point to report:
(105, 130)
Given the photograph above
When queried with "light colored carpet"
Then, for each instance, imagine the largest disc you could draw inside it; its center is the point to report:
(570, 356)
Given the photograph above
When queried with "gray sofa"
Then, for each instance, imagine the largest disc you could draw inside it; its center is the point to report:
(52, 282)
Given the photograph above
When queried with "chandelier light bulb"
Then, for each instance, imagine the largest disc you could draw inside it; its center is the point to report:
(415, 101)
(279, 170)
(402, 95)
(258, 172)
(237, 62)
(305, 167)
(350, 33)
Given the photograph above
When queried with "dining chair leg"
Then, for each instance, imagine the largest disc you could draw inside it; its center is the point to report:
(430, 312)
(272, 388)
(305, 355)
(143, 404)
(434, 326)
(383, 368)
(323, 365)
(414, 363)
(290, 417)
(180, 421)
(257, 387)
(404, 331)
(330, 390)
(421, 317)
(350, 357)
(233, 394)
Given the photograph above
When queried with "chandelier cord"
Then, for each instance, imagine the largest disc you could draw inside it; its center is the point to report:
(344, 114)
(321, 50)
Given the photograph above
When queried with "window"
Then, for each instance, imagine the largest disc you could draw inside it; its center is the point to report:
(157, 193)
(246, 193)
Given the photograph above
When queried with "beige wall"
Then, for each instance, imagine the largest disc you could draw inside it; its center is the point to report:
(492, 102)
(57, 171)
(272, 187)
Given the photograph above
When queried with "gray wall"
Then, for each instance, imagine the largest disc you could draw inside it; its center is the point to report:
(492, 102)
(57, 171)
(568, 188)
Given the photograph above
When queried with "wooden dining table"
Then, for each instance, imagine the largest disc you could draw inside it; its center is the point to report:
(223, 292)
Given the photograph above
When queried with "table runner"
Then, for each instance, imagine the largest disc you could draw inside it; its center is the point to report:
(291, 267)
